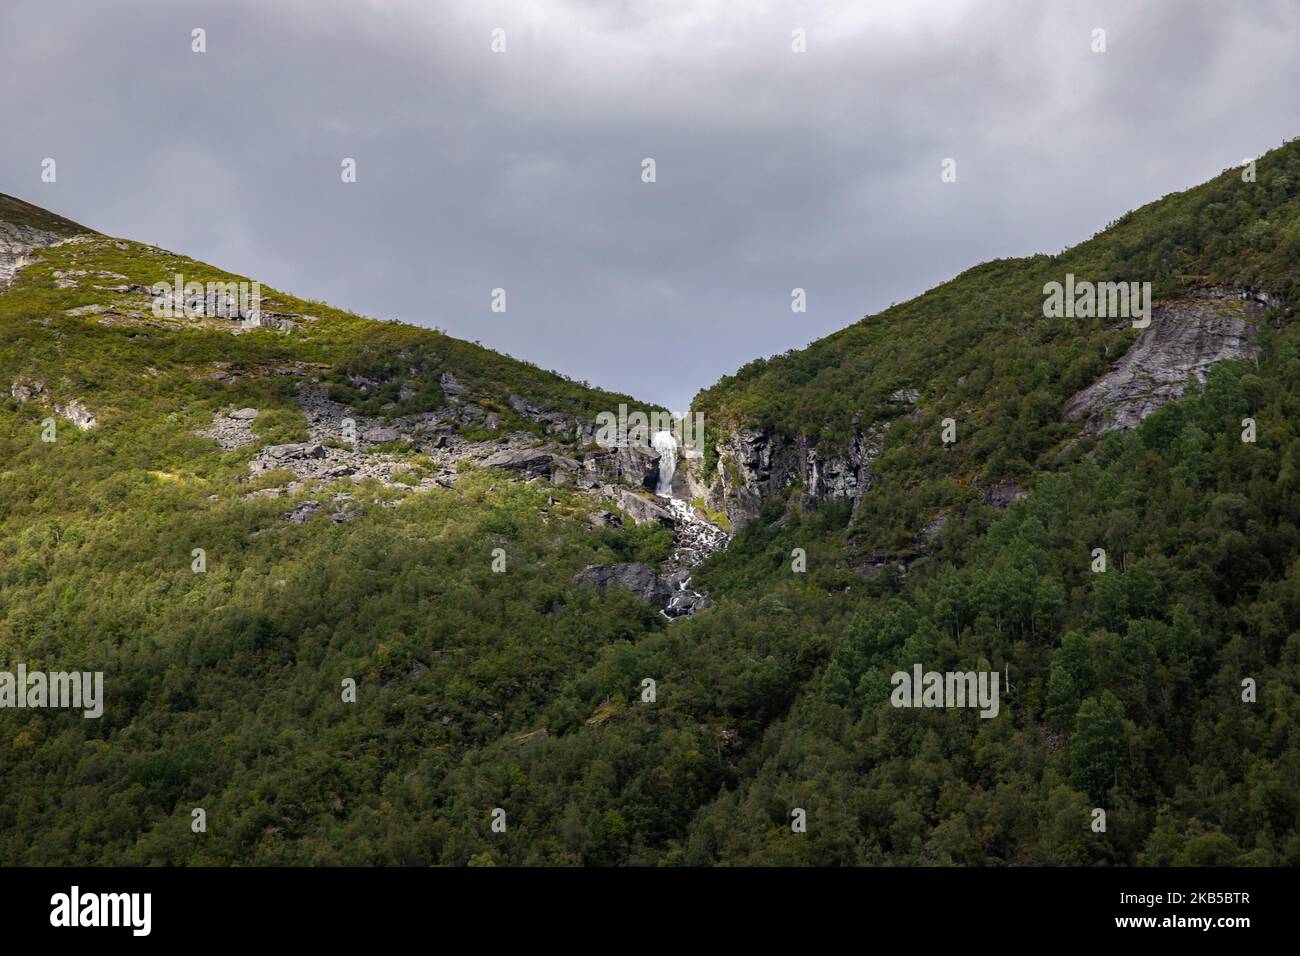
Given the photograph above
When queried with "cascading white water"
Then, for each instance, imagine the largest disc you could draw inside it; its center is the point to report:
(666, 445)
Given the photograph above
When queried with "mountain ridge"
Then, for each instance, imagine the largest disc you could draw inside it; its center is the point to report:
(497, 618)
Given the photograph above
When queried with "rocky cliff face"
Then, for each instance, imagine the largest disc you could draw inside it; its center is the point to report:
(1184, 339)
(24, 228)
(17, 243)
(343, 444)
(757, 464)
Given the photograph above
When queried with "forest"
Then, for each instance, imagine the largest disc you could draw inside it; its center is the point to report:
(478, 691)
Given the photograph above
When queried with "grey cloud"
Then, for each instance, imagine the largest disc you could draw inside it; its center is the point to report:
(775, 170)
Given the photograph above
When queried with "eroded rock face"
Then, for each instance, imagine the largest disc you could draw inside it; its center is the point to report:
(635, 464)
(346, 445)
(1184, 339)
(534, 461)
(757, 464)
(639, 578)
(643, 510)
(17, 243)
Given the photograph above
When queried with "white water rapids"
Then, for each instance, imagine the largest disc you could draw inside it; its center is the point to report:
(694, 538)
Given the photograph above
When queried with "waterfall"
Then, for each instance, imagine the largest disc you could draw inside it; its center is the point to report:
(666, 445)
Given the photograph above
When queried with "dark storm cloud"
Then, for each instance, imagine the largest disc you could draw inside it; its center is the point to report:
(522, 170)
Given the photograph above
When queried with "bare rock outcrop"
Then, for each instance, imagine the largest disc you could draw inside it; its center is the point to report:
(27, 390)
(17, 243)
(643, 510)
(24, 390)
(634, 464)
(533, 461)
(1004, 493)
(1184, 339)
(232, 429)
(757, 464)
(639, 578)
(76, 413)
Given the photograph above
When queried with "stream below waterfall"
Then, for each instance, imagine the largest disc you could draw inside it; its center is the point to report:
(694, 537)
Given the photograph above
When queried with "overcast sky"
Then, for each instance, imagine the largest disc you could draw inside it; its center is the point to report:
(523, 170)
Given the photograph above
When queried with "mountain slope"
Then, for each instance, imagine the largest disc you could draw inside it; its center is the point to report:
(867, 546)
(1161, 690)
(229, 517)
(978, 349)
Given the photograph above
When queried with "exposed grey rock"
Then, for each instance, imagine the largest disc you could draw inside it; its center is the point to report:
(554, 421)
(604, 519)
(635, 464)
(644, 511)
(686, 602)
(380, 435)
(304, 511)
(564, 470)
(927, 539)
(450, 386)
(639, 578)
(757, 464)
(1002, 494)
(876, 562)
(76, 413)
(232, 430)
(1183, 340)
(534, 461)
(26, 390)
(17, 245)
(294, 450)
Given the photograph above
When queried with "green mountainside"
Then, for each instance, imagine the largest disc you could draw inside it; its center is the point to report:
(865, 544)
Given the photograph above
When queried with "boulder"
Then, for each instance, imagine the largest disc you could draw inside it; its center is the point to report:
(639, 578)
(534, 461)
(380, 435)
(295, 451)
(604, 519)
(302, 512)
(644, 511)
